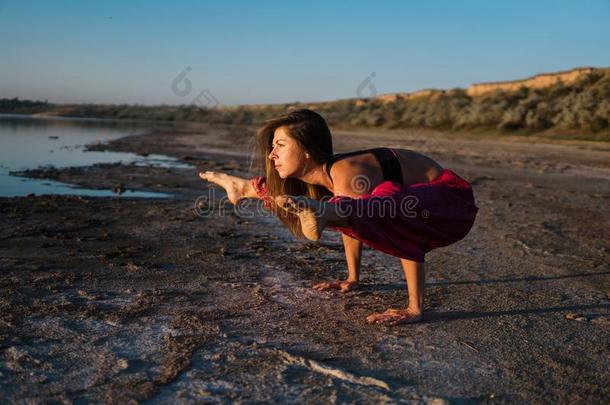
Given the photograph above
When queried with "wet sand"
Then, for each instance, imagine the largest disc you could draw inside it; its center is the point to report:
(125, 300)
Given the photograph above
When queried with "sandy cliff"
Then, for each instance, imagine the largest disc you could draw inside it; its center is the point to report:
(477, 89)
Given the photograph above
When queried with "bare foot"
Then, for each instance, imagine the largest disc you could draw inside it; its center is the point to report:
(344, 286)
(233, 185)
(394, 317)
(313, 221)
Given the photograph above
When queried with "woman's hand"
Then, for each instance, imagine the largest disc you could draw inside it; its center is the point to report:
(236, 187)
(343, 285)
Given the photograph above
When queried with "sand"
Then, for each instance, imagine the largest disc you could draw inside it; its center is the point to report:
(124, 300)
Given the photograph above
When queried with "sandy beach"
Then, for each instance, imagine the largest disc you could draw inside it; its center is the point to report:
(120, 300)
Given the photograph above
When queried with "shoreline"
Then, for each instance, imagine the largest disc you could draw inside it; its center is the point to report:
(548, 136)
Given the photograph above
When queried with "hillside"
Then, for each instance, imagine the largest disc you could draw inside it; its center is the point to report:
(573, 103)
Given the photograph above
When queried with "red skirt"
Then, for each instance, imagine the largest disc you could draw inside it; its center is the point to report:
(409, 221)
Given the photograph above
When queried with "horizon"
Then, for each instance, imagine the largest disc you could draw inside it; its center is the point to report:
(114, 53)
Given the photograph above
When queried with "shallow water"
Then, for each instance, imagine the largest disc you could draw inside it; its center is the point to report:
(30, 142)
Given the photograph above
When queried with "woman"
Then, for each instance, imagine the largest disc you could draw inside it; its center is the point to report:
(395, 200)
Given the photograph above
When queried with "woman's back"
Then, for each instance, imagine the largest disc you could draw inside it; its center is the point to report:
(373, 166)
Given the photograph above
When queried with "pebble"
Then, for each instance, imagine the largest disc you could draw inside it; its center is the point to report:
(123, 364)
(576, 317)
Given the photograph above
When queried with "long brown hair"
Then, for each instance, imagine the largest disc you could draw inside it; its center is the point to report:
(312, 134)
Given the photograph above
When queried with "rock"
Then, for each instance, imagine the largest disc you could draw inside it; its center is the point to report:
(123, 364)
(576, 317)
(120, 189)
(601, 320)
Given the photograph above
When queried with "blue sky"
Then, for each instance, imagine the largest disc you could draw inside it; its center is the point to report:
(270, 52)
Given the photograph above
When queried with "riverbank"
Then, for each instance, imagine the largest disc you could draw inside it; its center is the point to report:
(123, 300)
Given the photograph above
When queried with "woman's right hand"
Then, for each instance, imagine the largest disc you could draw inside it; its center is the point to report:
(342, 285)
(235, 187)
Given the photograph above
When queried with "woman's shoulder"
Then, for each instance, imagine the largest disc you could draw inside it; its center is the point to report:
(359, 167)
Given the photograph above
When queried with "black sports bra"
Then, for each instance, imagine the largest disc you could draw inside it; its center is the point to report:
(387, 158)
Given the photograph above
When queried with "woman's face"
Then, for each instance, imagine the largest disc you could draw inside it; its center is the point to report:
(286, 154)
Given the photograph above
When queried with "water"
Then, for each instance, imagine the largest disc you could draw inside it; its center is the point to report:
(32, 142)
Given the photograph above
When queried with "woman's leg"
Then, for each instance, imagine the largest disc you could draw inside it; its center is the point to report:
(314, 215)
(415, 275)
